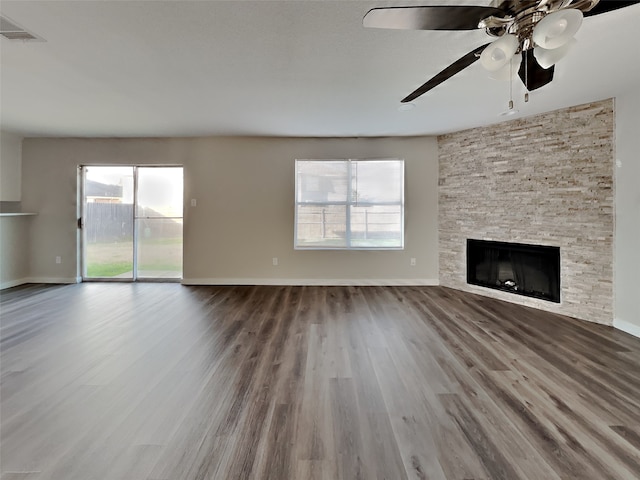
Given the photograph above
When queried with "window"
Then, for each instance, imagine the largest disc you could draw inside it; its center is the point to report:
(349, 204)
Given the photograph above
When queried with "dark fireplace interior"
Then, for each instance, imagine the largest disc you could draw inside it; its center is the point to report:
(530, 270)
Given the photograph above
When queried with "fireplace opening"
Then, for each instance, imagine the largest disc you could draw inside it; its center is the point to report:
(530, 270)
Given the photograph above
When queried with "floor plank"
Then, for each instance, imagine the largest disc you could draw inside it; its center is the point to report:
(165, 382)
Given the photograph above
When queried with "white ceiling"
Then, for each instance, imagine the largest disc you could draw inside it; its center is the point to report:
(285, 68)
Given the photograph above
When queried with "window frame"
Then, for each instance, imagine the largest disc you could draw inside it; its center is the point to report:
(348, 204)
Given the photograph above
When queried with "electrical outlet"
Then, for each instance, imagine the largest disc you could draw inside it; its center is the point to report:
(194, 202)
(413, 262)
(58, 259)
(274, 260)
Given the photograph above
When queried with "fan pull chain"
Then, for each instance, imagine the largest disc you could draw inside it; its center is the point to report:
(510, 85)
(526, 76)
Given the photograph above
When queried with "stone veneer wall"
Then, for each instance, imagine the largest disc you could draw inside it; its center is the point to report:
(545, 180)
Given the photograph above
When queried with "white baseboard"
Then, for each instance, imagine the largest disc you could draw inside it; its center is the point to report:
(359, 282)
(13, 283)
(385, 282)
(628, 327)
(54, 280)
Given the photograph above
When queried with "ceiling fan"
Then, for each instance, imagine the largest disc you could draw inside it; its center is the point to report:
(532, 35)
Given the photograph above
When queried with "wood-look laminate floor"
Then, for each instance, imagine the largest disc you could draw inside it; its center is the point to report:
(166, 382)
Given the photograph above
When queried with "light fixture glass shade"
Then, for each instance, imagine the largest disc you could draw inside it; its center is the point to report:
(557, 28)
(498, 53)
(509, 71)
(547, 58)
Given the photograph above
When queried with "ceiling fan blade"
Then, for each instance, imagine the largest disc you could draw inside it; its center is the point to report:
(532, 74)
(444, 17)
(604, 6)
(447, 73)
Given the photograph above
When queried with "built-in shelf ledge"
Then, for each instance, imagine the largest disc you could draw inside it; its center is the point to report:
(17, 214)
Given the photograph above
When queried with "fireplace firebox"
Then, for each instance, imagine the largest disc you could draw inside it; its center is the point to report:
(530, 270)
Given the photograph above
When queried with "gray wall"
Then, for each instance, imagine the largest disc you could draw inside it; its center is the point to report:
(627, 215)
(14, 230)
(244, 189)
(546, 180)
(14, 250)
(10, 167)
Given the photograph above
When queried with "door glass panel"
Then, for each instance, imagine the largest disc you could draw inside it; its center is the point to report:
(159, 248)
(159, 222)
(159, 192)
(108, 222)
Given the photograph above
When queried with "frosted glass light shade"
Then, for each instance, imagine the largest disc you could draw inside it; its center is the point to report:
(498, 53)
(557, 28)
(546, 58)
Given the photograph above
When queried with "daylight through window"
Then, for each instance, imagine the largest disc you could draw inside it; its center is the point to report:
(349, 204)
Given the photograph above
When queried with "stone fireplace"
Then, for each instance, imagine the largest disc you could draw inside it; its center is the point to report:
(544, 180)
(529, 270)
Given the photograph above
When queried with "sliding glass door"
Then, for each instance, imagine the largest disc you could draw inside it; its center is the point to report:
(159, 222)
(132, 222)
(107, 222)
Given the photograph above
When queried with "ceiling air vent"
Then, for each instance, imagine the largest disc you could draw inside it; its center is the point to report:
(12, 31)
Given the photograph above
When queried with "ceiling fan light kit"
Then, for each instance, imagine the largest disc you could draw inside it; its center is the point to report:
(499, 53)
(540, 31)
(546, 57)
(557, 28)
(548, 37)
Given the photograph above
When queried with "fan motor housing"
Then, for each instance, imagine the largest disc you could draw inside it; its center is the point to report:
(513, 7)
(523, 15)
